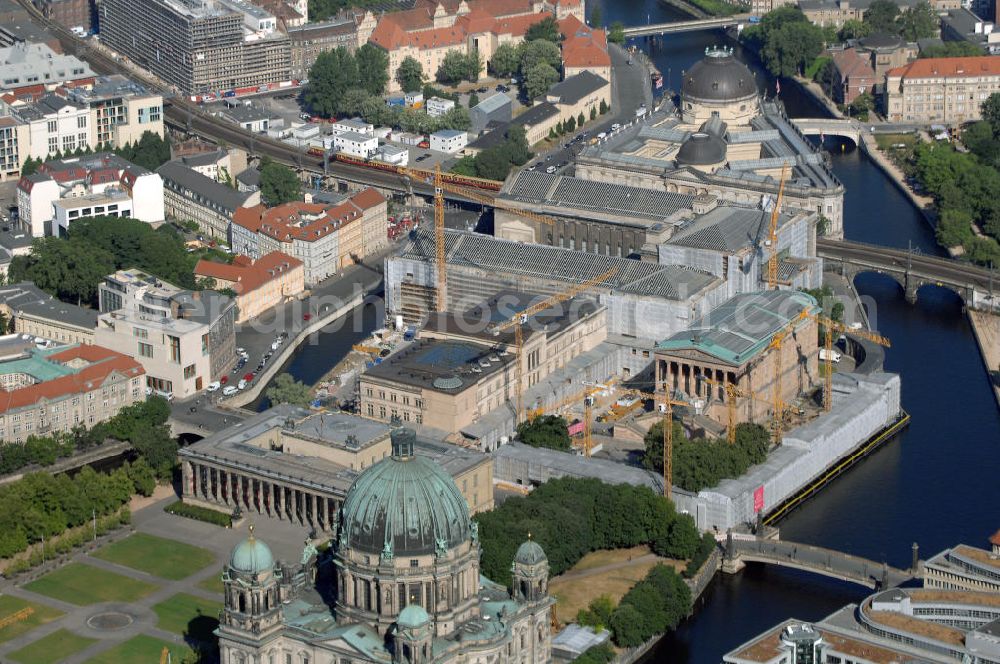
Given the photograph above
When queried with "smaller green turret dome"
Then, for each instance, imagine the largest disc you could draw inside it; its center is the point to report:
(251, 556)
(412, 617)
(530, 553)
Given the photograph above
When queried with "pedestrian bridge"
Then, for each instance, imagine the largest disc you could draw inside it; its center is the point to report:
(826, 562)
(736, 20)
(849, 129)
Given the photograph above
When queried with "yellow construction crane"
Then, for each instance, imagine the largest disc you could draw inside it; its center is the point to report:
(666, 404)
(772, 261)
(830, 326)
(523, 317)
(775, 345)
(587, 396)
(732, 394)
(440, 186)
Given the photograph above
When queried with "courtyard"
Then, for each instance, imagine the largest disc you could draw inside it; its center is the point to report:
(125, 602)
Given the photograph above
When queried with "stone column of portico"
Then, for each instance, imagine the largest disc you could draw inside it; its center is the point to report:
(315, 511)
(281, 502)
(324, 513)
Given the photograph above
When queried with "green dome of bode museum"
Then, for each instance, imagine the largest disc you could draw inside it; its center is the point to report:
(404, 506)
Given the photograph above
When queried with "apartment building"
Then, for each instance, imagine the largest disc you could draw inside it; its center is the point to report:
(112, 110)
(431, 30)
(28, 70)
(310, 39)
(48, 390)
(325, 237)
(199, 46)
(70, 13)
(190, 196)
(942, 90)
(259, 284)
(184, 339)
(98, 185)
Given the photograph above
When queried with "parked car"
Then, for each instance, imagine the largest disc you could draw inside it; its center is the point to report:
(214, 386)
(550, 170)
(242, 385)
(229, 390)
(274, 345)
(169, 396)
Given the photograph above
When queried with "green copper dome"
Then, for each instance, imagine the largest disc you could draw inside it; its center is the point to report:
(412, 617)
(530, 553)
(251, 556)
(404, 506)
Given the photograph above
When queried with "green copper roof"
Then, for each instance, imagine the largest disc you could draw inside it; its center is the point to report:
(529, 553)
(413, 616)
(251, 556)
(404, 505)
(742, 326)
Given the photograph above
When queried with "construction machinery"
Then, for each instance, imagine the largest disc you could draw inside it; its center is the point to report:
(586, 395)
(772, 261)
(440, 186)
(371, 350)
(830, 326)
(665, 403)
(732, 394)
(16, 617)
(518, 320)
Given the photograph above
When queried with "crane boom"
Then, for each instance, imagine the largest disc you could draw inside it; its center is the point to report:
(666, 404)
(772, 262)
(830, 326)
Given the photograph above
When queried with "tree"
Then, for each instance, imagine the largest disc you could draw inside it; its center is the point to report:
(546, 29)
(881, 16)
(30, 166)
(546, 431)
(627, 626)
(854, 29)
(991, 112)
(593, 113)
(278, 183)
(142, 475)
(473, 100)
(288, 390)
(69, 270)
(454, 68)
(373, 68)
(604, 107)
(580, 119)
(917, 22)
(570, 124)
(410, 74)
(533, 53)
(616, 35)
(951, 49)
(861, 106)
(473, 65)
(596, 19)
(157, 447)
(455, 118)
(492, 164)
(333, 73)
(506, 60)
(539, 79)
(791, 48)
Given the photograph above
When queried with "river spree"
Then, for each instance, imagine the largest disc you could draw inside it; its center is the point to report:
(935, 484)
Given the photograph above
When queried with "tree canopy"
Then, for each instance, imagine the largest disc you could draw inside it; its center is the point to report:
(506, 60)
(787, 42)
(278, 183)
(881, 16)
(539, 79)
(547, 29)
(951, 49)
(373, 68)
(616, 34)
(569, 517)
(457, 66)
(495, 163)
(918, 22)
(545, 431)
(654, 605)
(533, 53)
(410, 74)
(286, 389)
(334, 72)
(699, 464)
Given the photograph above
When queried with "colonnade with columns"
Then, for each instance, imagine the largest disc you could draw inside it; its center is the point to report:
(229, 488)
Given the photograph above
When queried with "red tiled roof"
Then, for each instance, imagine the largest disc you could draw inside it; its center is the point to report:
(285, 222)
(984, 65)
(103, 363)
(850, 64)
(583, 46)
(248, 275)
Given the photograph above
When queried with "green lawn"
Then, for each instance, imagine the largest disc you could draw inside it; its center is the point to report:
(140, 649)
(42, 615)
(187, 614)
(83, 584)
(53, 648)
(158, 556)
(212, 584)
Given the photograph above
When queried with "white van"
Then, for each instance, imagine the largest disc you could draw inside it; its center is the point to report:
(834, 356)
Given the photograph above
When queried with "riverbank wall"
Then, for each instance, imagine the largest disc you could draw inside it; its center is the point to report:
(287, 350)
(863, 406)
(986, 329)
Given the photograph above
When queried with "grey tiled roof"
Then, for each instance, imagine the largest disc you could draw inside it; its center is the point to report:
(575, 88)
(27, 297)
(723, 229)
(672, 282)
(571, 192)
(179, 177)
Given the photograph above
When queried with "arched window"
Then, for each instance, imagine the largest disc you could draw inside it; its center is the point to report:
(243, 603)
